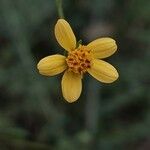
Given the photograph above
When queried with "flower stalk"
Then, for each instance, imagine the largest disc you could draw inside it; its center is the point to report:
(59, 9)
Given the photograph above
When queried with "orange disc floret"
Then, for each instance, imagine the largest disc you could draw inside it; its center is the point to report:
(79, 60)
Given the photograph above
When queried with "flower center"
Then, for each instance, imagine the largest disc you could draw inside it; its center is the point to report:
(79, 60)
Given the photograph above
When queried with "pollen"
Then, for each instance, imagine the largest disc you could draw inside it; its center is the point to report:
(79, 60)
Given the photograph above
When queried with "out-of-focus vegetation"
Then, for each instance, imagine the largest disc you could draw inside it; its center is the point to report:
(33, 113)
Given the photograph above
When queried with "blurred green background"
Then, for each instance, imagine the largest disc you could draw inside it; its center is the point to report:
(33, 113)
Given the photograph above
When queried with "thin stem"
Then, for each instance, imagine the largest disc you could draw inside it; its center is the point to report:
(59, 8)
(92, 116)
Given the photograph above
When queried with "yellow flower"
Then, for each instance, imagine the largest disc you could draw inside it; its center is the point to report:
(81, 59)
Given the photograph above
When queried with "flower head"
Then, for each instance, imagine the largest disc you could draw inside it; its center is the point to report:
(81, 59)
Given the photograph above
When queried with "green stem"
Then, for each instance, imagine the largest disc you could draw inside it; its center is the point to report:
(60, 8)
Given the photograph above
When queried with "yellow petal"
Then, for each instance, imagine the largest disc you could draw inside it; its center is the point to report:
(65, 35)
(103, 71)
(52, 65)
(103, 47)
(71, 86)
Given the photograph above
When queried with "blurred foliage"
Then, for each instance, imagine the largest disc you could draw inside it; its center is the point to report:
(33, 114)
